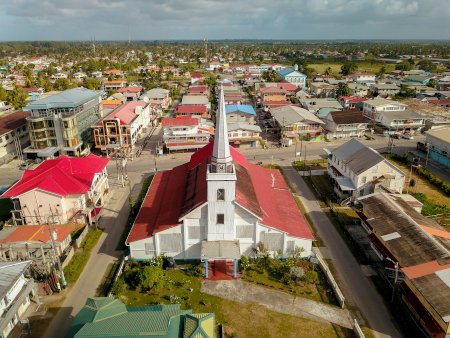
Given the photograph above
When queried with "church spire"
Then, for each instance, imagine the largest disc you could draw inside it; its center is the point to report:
(221, 157)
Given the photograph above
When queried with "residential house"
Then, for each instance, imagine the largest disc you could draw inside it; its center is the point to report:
(218, 207)
(272, 94)
(17, 291)
(313, 105)
(296, 123)
(413, 253)
(114, 72)
(197, 78)
(384, 89)
(131, 93)
(372, 107)
(198, 90)
(196, 100)
(438, 142)
(361, 78)
(33, 242)
(292, 75)
(187, 133)
(114, 84)
(240, 113)
(159, 96)
(357, 170)
(345, 124)
(34, 93)
(243, 133)
(106, 316)
(60, 191)
(358, 89)
(120, 129)
(192, 111)
(13, 135)
(60, 123)
(400, 122)
(322, 89)
(351, 102)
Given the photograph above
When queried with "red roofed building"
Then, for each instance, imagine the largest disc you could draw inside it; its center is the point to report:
(121, 128)
(63, 190)
(131, 93)
(192, 111)
(198, 90)
(197, 78)
(216, 207)
(13, 134)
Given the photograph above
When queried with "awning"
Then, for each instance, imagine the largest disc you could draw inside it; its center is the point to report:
(345, 183)
(96, 211)
(221, 250)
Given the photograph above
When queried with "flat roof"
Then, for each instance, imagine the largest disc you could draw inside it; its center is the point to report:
(442, 134)
(70, 98)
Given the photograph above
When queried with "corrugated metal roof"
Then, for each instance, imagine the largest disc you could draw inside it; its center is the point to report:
(444, 275)
(67, 99)
(390, 236)
(9, 274)
(244, 108)
(288, 115)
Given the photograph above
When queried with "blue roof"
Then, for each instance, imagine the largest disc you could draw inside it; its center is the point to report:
(288, 70)
(245, 108)
(70, 98)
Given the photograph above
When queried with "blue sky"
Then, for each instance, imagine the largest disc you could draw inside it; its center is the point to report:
(223, 19)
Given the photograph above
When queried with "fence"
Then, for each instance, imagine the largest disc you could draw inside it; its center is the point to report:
(68, 257)
(324, 266)
(118, 273)
(81, 237)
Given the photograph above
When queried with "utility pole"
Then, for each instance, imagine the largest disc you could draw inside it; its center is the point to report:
(395, 278)
(53, 236)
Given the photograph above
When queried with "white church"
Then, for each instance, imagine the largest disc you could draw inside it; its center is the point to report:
(217, 207)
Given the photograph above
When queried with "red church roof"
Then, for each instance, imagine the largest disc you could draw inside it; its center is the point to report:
(62, 176)
(175, 193)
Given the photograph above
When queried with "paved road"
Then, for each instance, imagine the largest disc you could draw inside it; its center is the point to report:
(113, 220)
(357, 289)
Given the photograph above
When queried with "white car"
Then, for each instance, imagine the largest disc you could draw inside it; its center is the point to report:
(408, 136)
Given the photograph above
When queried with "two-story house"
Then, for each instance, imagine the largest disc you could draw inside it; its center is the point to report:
(185, 133)
(13, 135)
(358, 89)
(400, 122)
(62, 190)
(240, 113)
(372, 107)
(344, 124)
(159, 96)
(384, 89)
(192, 111)
(16, 294)
(120, 129)
(296, 123)
(357, 170)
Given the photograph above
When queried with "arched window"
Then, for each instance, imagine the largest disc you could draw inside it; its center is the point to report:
(221, 194)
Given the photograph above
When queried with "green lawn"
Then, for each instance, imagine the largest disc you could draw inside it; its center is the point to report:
(239, 320)
(363, 67)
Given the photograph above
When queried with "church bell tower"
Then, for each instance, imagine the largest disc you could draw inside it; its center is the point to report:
(221, 179)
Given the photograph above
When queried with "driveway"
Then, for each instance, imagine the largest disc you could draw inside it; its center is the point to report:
(247, 293)
(358, 290)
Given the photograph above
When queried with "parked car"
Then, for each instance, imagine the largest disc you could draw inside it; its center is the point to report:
(26, 164)
(408, 136)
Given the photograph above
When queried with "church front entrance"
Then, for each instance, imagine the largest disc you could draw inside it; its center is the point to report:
(220, 259)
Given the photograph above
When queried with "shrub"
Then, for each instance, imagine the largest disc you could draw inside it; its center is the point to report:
(297, 273)
(151, 277)
(244, 263)
(312, 277)
(195, 270)
(119, 287)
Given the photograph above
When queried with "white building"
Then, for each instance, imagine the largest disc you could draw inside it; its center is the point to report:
(13, 135)
(158, 96)
(357, 170)
(292, 75)
(373, 106)
(16, 294)
(400, 122)
(185, 133)
(218, 207)
(344, 124)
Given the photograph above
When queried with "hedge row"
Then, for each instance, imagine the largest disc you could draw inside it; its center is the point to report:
(76, 265)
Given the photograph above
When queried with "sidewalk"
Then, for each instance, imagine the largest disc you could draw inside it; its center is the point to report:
(358, 290)
(114, 217)
(247, 293)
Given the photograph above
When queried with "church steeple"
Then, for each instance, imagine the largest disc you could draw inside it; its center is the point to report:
(221, 159)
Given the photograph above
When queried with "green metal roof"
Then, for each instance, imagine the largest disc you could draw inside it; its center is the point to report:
(109, 317)
(70, 98)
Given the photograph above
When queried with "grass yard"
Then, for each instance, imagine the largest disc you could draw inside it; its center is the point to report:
(363, 67)
(239, 320)
(310, 165)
